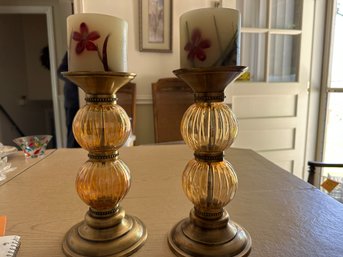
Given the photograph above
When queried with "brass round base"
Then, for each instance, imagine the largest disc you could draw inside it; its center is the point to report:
(123, 239)
(183, 245)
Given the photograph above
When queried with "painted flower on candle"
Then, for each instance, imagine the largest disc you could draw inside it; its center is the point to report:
(85, 39)
(210, 37)
(196, 46)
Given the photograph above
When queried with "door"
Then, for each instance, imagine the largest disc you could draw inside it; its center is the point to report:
(271, 106)
(28, 99)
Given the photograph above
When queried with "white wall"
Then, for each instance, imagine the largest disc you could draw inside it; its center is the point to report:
(149, 67)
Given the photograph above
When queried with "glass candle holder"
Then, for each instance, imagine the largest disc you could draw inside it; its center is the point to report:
(102, 127)
(209, 181)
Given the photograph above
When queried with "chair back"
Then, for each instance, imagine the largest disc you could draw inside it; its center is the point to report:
(331, 183)
(127, 99)
(171, 98)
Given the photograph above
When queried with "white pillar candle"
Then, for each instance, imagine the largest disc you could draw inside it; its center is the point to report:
(97, 42)
(209, 37)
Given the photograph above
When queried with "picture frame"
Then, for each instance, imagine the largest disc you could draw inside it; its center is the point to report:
(155, 25)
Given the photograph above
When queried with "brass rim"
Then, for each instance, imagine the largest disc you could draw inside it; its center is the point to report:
(217, 69)
(99, 73)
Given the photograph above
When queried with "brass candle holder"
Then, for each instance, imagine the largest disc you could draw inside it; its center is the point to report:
(209, 181)
(102, 127)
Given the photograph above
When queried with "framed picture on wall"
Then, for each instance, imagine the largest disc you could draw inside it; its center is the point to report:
(155, 25)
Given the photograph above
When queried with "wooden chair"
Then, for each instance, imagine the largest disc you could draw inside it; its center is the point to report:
(127, 99)
(312, 165)
(171, 98)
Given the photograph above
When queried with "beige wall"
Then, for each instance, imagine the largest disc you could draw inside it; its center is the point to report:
(149, 67)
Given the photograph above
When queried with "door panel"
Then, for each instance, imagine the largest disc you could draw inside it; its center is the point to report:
(266, 106)
(278, 139)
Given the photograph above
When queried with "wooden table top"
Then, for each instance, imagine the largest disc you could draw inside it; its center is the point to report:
(284, 215)
(19, 163)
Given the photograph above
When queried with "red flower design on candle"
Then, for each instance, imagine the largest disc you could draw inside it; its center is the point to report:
(84, 39)
(196, 46)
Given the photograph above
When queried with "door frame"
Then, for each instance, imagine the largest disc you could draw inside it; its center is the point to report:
(47, 10)
(326, 68)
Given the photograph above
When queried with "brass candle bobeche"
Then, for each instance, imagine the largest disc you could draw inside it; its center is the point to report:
(102, 127)
(209, 181)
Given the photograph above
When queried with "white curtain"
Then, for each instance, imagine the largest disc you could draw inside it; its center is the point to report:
(282, 48)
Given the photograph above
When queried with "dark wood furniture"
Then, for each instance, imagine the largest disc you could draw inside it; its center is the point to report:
(318, 179)
(312, 165)
(127, 99)
(171, 98)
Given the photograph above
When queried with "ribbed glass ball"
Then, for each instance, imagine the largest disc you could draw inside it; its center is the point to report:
(101, 127)
(102, 185)
(209, 127)
(209, 185)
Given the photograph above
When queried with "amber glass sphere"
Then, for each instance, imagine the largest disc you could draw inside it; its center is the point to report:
(102, 185)
(101, 127)
(209, 185)
(209, 127)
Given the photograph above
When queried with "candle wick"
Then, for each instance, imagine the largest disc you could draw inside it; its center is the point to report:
(218, 4)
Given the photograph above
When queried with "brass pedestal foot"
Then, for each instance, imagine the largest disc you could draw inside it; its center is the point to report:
(198, 236)
(110, 234)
